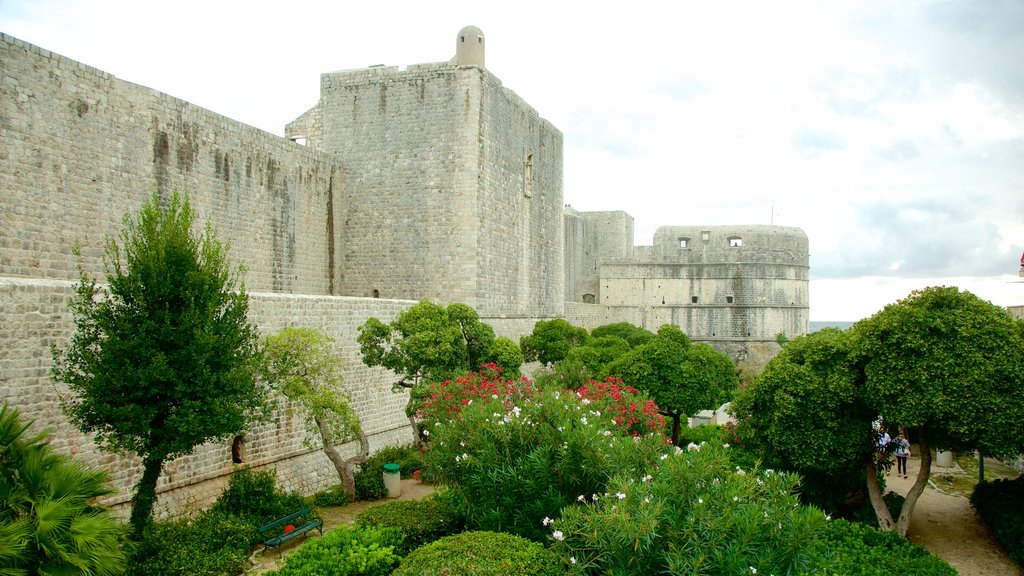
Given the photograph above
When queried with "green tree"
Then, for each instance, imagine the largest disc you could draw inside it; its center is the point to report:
(507, 355)
(588, 362)
(681, 377)
(430, 343)
(301, 363)
(49, 520)
(948, 367)
(805, 413)
(551, 340)
(941, 364)
(163, 359)
(632, 334)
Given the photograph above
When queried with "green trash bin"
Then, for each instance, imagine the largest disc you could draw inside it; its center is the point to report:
(393, 480)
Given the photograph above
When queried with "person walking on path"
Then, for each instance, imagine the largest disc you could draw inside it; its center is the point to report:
(902, 452)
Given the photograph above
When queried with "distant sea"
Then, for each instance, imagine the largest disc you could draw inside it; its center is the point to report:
(815, 326)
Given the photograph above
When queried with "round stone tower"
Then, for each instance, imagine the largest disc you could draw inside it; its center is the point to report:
(469, 47)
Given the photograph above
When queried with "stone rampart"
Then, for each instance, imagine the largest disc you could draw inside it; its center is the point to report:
(35, 316)
(82, 147)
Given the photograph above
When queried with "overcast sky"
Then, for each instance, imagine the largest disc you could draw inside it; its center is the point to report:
(892, 133)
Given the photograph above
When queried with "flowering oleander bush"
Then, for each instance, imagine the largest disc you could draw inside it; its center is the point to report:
(693, 512)
(516, 454)
(632, 414)
(445, 400)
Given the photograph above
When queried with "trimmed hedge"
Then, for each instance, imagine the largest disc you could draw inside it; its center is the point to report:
(854, 549)
(346, 551)
(1001, 505)
(480, 554)
(419, 521)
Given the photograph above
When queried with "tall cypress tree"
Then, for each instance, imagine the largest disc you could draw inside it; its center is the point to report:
(163, 358)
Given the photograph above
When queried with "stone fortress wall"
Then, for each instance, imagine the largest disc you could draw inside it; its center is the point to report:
(80, 148)
(733, 287)
(453, 189)
(430, 182)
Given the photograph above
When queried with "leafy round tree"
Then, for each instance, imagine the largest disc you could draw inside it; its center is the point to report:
(301, 363)
(431, 342)
(428, 341)
(631, 333)
(681, 377)
(949, 368)
(163, 358)
(551, 340)
(49, 520)
(805, 413)
(588, 362)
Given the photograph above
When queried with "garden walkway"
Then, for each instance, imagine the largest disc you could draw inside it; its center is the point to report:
(947, 526)
(335, 516)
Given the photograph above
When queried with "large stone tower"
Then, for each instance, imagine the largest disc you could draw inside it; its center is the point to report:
(453, 186)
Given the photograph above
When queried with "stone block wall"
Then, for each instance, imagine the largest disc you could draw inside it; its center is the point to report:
(35, 316)
(81, 147)
(592, 238)
(519, 203)
(453, 188)
(408, 223)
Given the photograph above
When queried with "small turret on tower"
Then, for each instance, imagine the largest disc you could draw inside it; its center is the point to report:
(469, 47)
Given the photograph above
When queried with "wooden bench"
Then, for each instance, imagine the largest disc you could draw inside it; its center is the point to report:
(276, 533)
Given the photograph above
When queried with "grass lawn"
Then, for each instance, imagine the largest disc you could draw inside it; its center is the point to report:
(963, 483)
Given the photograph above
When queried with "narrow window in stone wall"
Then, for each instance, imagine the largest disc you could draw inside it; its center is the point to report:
(684, 242)
(705, 235)
(238, 450)
(528, 177)
(589, 299)
(728, 299)
(693, 299)
(376, 293)
(735, 241)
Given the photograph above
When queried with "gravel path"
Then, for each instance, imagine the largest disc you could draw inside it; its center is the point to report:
(947, 526)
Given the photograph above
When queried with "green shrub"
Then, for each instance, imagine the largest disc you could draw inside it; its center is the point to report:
(516, 454)
(369, 479)
(333, 496)
(480, 554)
(345, 551)
(854, 549)
(866, 513)
(255, 498)
(1001, 505)
(693, 513)
(419, 521)
(212, 543)
(710, 433)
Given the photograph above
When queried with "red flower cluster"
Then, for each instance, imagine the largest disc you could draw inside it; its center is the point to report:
(447, 398)
(631, 412)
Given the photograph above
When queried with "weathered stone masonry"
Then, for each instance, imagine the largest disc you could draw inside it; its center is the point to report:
(81, 147)
(430, 182)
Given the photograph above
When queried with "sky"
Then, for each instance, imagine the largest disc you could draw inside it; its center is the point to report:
(892, 133)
